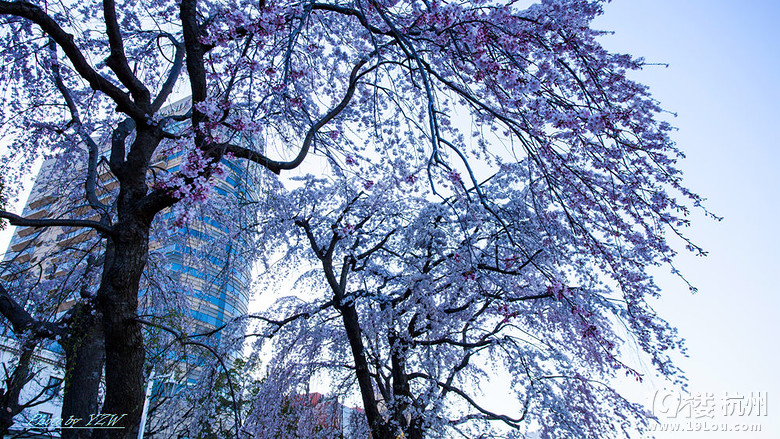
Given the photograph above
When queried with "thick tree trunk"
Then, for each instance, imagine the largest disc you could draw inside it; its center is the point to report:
(402, 394)
(84, 355)
(401, 391)
(400, 384)
(126, 255)
(124, 345)
(415, 429)
(6, 421)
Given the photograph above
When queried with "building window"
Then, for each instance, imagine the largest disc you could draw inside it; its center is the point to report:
(53, 388)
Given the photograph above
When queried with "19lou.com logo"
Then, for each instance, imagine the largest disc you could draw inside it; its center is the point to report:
(708, 411)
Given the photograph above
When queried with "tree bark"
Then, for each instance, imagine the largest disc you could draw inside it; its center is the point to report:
(401, 391)
(124, 345)
(84, 357)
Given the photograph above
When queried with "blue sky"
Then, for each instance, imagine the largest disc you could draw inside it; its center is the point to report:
(722, 81)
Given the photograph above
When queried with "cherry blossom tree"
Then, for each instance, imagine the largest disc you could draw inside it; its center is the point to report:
(414, 304)
(434, 92)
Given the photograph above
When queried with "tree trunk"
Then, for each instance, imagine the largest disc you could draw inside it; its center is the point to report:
(19, 378)
(401, 392)
(84, 356)
(6, 421)
(379, 428)
(124, 345)
(126, 255)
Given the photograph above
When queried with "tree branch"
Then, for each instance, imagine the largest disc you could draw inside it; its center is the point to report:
(515, 423)
(277, 166)
(450, 341)
(90, 184)
(22, 321)
(184, 339)
(509, 272)
(353, 12)
(117, 60)
(17, 220)
(195, 64)
(302, 315)
(118, 137)
(66, 41)
(173, 75)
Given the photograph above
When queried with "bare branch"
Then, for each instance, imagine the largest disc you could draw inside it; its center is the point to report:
(173, 74)
(22, 321)
(510, 272)
(17, 220)
(90, 183)
(280, 323)
(488, 414)
(117, 60)
(452, 342)
(353, 12)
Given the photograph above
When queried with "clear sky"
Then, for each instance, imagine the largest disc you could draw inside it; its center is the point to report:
(722, 81)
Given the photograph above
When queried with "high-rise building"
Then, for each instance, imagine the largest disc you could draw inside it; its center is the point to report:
(201, 259)
(206, 255)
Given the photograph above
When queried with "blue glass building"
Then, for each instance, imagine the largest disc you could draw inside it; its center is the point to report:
(205, 259)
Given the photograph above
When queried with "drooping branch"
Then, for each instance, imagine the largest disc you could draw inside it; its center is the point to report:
(66, 41)
(90, 184)
(277, 166)
(186, 340)
(512, 422)
(279, 324)
(351, 12)
(411, 53)
(451, 342)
